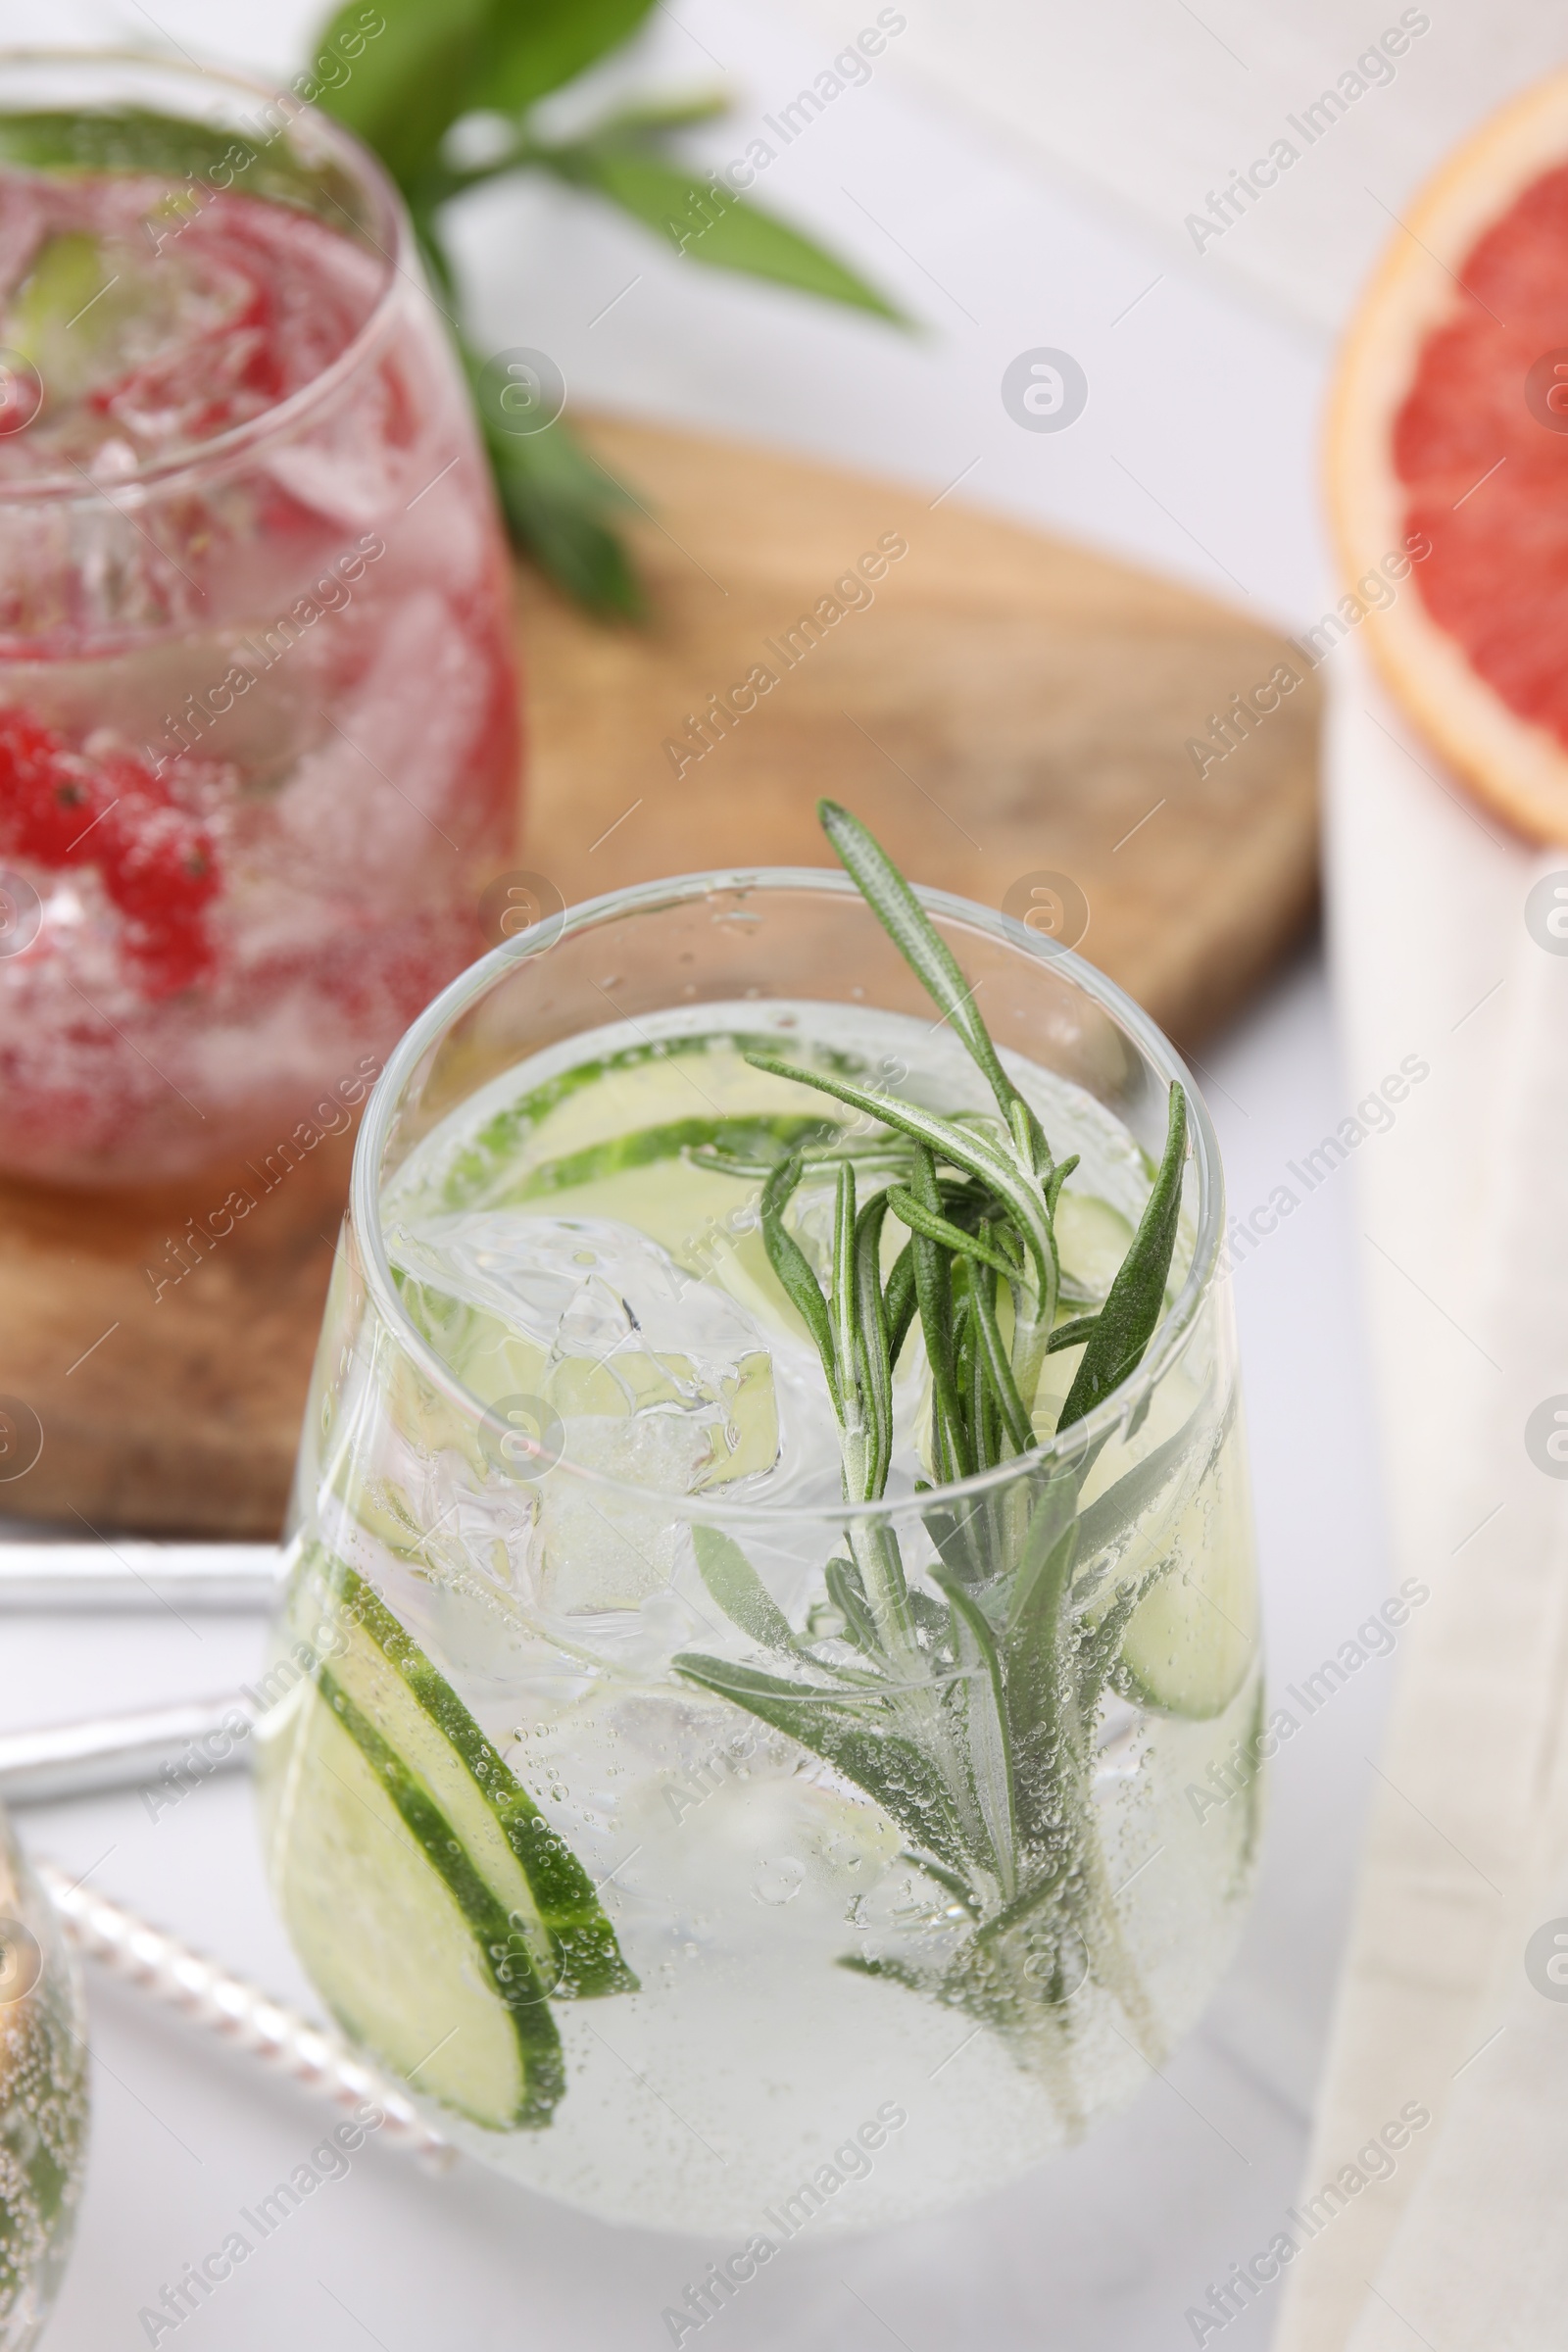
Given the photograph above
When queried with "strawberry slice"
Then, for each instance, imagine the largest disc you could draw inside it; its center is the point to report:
(156, 859)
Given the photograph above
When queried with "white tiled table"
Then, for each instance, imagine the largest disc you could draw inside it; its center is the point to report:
(1194, 455)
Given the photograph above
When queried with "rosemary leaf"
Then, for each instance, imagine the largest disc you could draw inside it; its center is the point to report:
(915, 936)
(958, 1887)
(1136, 1299)
(841, 1303)
(946, 1140)
(1053, 1519)
(900, 1301)
(739, 1591)
(790, 1264)
(999, 1370)
(1029, 1899)
(1102, 1647)
(971, 1368)
(892, 1769)
(991, 1756)
(1072, 1335)
(936, 1228)
(1057, 1178)
(873, 1354)
(847, 1596)
(952, 1454)
(1037, 1649)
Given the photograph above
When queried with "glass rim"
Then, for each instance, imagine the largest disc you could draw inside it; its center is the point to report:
(58, 489)
(470, 987)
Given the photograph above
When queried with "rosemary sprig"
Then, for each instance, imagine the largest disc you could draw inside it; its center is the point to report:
(1019, 1181)
(968, 1718)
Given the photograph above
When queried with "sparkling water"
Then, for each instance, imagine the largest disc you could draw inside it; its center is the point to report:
(258, 733)
(617, 1317)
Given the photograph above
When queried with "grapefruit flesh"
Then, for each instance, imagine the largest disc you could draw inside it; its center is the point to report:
(1448, 439)
(1486, 481)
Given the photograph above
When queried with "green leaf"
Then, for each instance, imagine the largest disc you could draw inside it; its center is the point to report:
(989, 1753)
(998, 1369)
(1038, 1680)
(841, 1298)
(900, 1301)
(953, 1455)
(555, 498)
(936, 1228)
(847, 1596)
(1136, 1299)
(916, 938)
(1072, 1335)
(1052, 1519)
(790, 1264)
(969, 1370)
(739, 1591)
(1059, 1174)
(412, 79)
(709, 224)
(891, 1972)
(946, 1140)
(892, 1769)
(1101, 1647)
(531, 47)
(873, 1349)
(1024, 1903)
(436, 61)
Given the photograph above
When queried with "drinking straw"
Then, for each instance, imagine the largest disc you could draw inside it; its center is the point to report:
(241, 2013)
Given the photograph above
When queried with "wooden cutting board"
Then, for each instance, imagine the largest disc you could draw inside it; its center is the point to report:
(1010, 713)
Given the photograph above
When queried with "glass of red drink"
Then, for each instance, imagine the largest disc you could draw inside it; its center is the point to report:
(258, 709)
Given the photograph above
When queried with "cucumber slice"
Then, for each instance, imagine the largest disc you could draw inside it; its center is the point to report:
(402, 1936)
(760, 1138)
(614, 1095)
(1192, 1641)
(1092, 1239)
(527, 1867)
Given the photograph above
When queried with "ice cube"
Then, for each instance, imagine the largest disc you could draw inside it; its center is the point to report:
(657, 1379)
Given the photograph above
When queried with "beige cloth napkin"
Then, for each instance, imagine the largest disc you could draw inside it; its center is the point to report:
(1464, 1208)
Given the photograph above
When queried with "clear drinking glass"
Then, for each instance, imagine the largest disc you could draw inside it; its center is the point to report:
(584, 1810)
(43, 2100)
(258, 709)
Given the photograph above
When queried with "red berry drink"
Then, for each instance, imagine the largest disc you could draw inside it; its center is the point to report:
(258, 712)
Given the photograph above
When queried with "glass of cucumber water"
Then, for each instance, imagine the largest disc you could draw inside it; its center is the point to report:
(771, 1559)
(43, 2099)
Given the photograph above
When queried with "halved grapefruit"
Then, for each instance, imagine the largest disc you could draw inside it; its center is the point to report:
(1448, 425)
